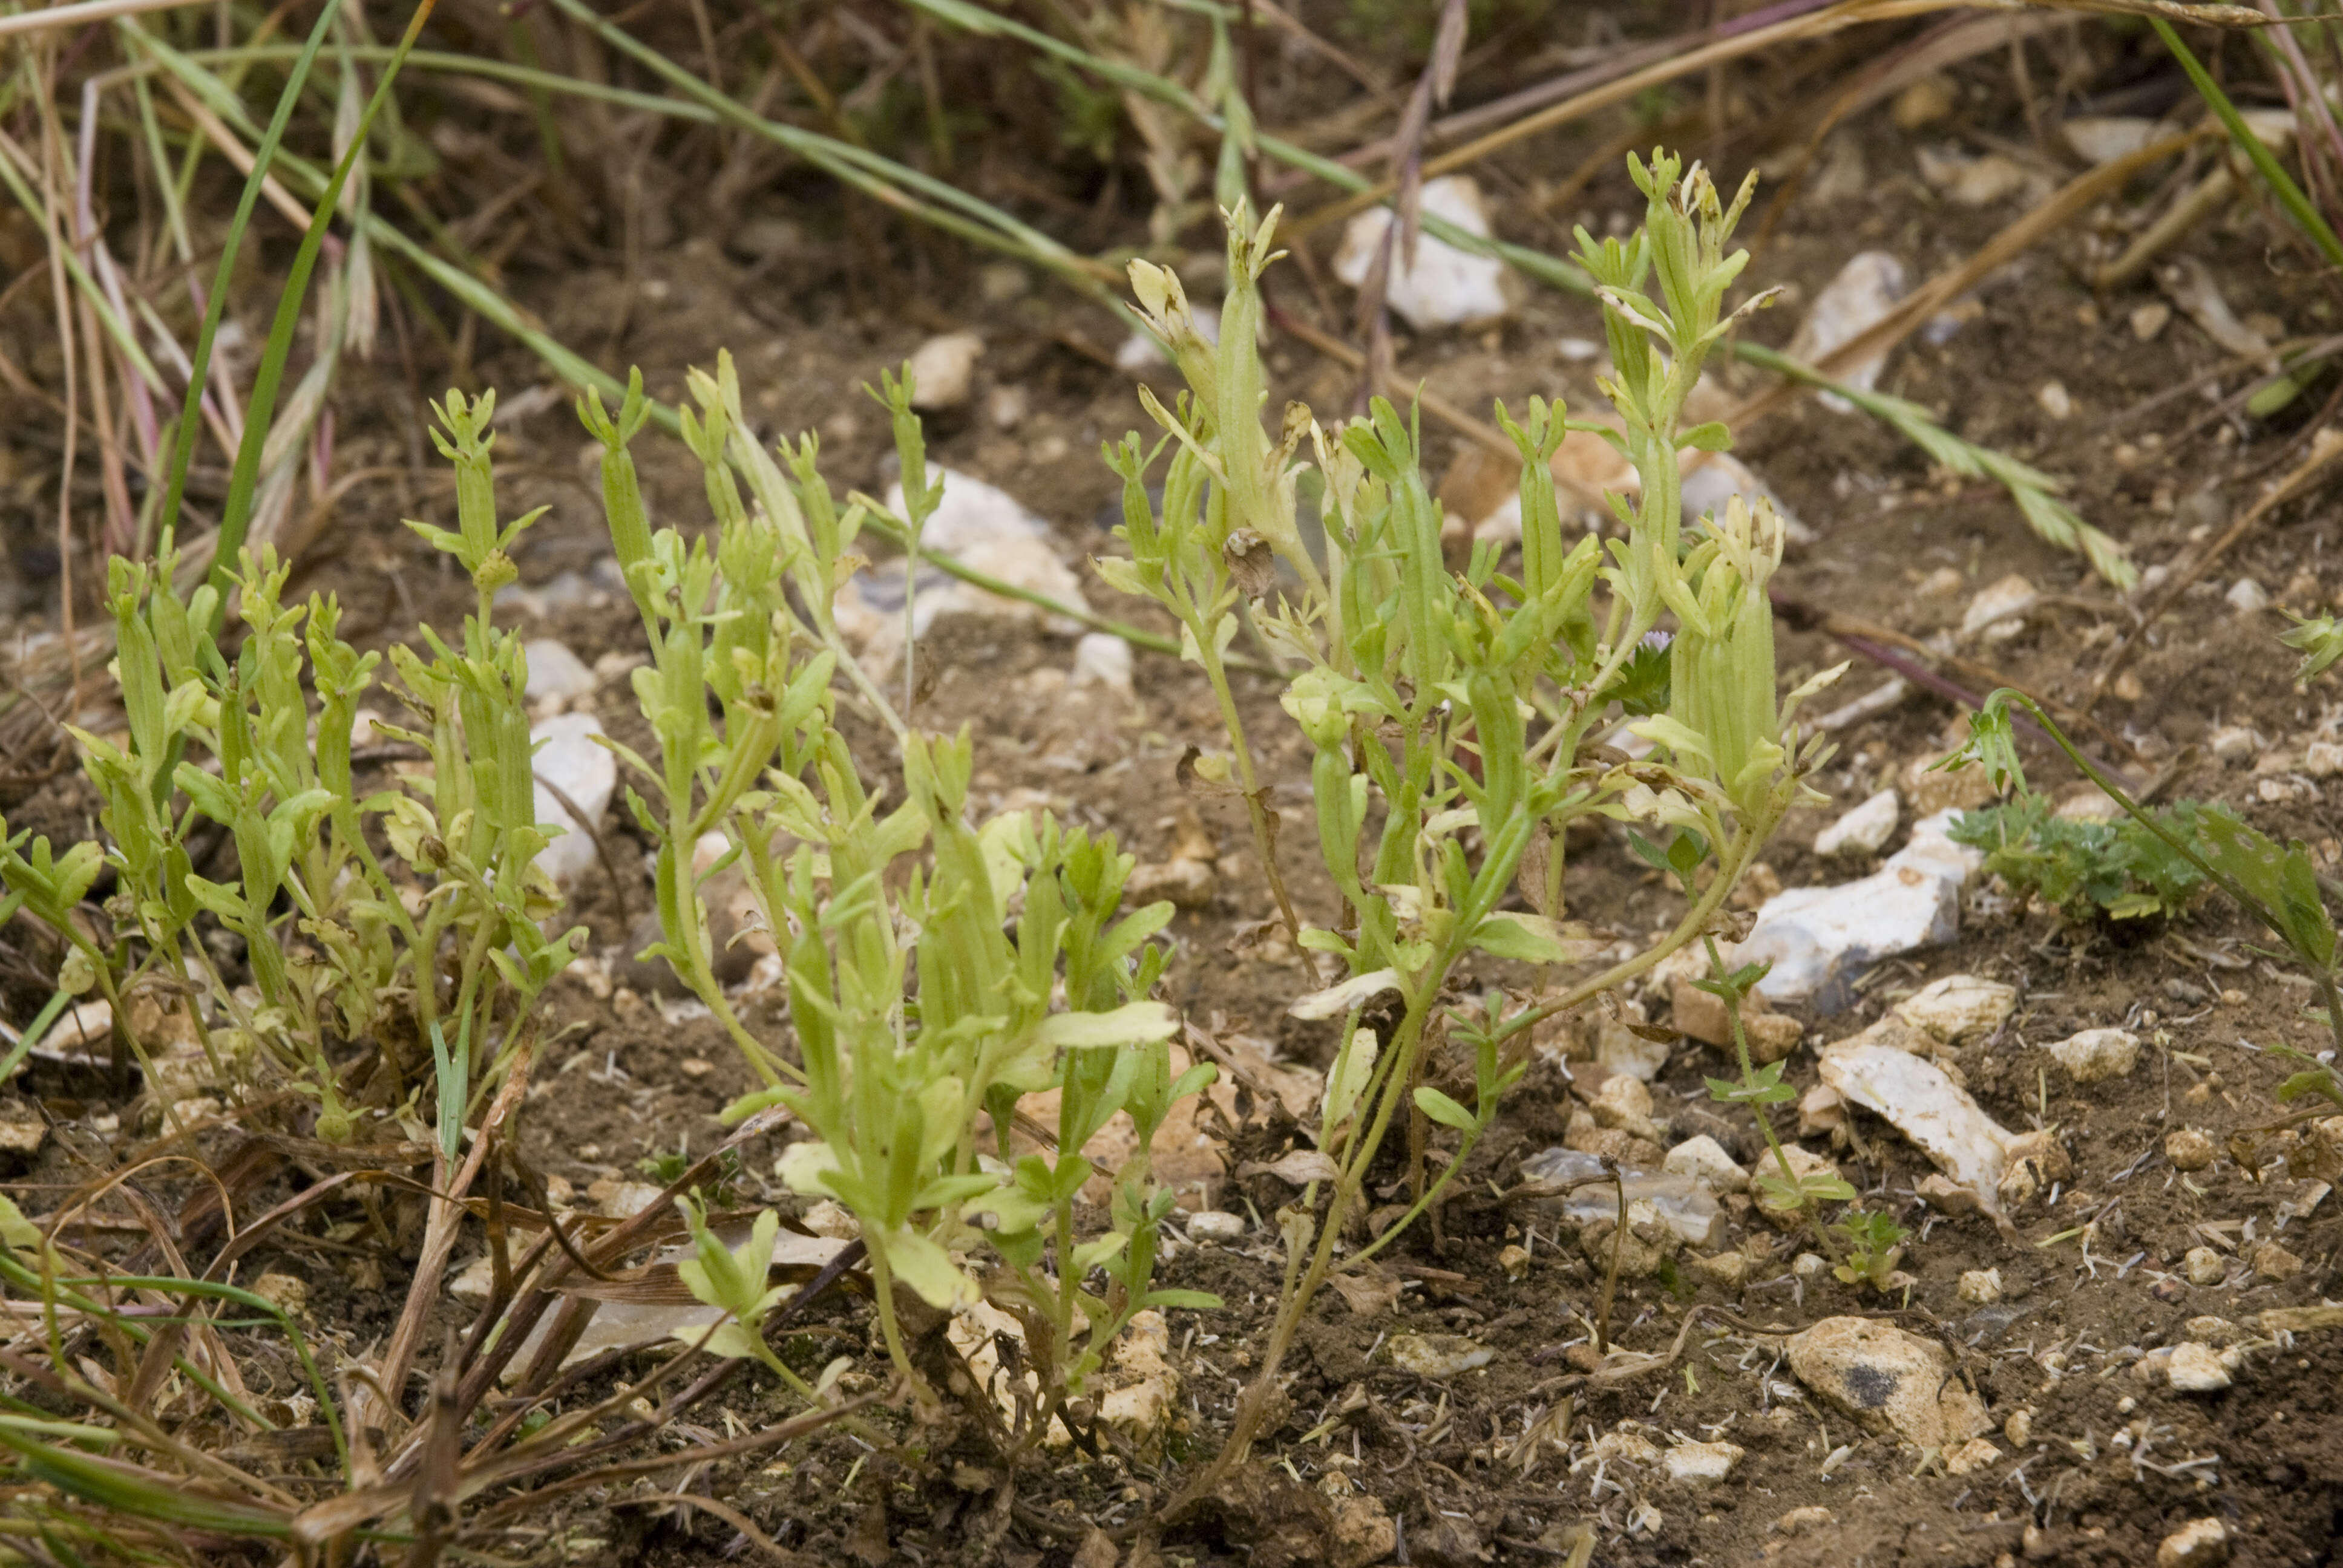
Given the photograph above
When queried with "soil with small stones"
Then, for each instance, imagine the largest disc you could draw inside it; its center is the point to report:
(1495, 1464)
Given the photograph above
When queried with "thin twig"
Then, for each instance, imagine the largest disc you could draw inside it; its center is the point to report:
(1611, 1273)
(601, 846)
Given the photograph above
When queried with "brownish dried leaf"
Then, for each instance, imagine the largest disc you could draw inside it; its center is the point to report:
(1298, 1168)
(1367, 1290)
(1253, 565)
(1198, 783)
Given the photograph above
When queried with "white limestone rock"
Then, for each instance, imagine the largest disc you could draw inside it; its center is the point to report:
(1446, 287)
(567, 758)
(1862, 830)
(1819, 939)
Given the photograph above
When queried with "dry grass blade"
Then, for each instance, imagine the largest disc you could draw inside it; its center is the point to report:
(82, 15)
(1373, 316)
(1817, 25)
(2050, 215)
(723, 1511)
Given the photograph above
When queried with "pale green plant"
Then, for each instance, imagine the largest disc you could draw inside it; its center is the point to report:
(1026, 977)
(340, 947)
(433, 954)
(1472, 707)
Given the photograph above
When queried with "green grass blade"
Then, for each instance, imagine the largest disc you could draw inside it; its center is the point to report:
(183, 451)
(536, 79)
(134, 1490)
(244, 478)
(2281, 184)
(880, 177)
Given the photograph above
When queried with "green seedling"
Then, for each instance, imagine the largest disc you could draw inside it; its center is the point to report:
(1874, 1245)
(1783, 1189)
(343, 944)
(733, 1280)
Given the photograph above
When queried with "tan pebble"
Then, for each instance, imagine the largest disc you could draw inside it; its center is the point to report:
(2199, 1544)
(1729, 1269)
(2273, 1263)
(1974, 1454)
(2197, 1368)
(288, 1292)
(2189, 1150)
(1947, 1196)
(1801, 1520)
(1923, 102)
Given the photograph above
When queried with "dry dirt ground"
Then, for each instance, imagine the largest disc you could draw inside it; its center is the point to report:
(2113, 1461)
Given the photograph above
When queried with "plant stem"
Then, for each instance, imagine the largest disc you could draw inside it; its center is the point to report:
(1611, 1271)
(1748, 1068)
(882, 1295)
(1264, 839)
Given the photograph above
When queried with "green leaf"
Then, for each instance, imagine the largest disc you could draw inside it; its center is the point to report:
(1714, 437)
(945, 1191)
(1686, 850)
(1135, 1023)
(1197, 1079)
(927, 1269)
(1993, 742)
(2320, 641)
(1191, 1301)
(1092, 1254)
(2280, 882)
(2313, 1081)
(1650, 854)
(15, 1230)
(1641, 686)
(730, 1341)
(1764, 1088)
(1123, 575)
(221, 901)
(1506, 936)
(1319, 939)
(1811, 1187)
(2281, 392)
(1442, 1110)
